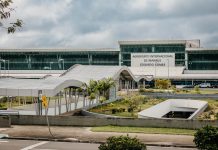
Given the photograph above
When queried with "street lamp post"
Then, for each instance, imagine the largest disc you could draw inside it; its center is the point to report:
(62, 61)
(8, 61)
(168, 69)
(2, 60)
(155, 65)
(8, 67)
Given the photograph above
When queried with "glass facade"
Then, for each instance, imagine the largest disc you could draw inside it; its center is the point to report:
(203, 60)
(56, 60)
(193, 58)
(178, 49)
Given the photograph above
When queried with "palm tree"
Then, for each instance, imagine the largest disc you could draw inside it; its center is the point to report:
(91, 90)
(108, 83)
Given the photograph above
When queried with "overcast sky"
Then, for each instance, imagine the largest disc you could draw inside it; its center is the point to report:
(101, 23)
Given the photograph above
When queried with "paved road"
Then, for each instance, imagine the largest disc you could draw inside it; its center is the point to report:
(6, 144)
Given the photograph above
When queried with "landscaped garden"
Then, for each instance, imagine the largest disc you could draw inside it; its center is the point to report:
(173, 90)
(128, 106)
(211, 113)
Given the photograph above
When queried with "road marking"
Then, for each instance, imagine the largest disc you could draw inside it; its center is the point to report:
(34, 145)
(3, 141)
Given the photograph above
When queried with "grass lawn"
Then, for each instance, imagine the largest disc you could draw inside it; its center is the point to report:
(202, 91)
(143, 130)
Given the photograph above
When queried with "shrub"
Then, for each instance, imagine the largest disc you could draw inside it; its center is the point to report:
(141, 90)
(122, 109)
(122, 143)
(162, 83)
(197, 90)
(130, 109)
(206, 138)
(114, 111)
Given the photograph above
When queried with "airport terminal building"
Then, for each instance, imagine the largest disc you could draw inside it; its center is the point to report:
(182, 61)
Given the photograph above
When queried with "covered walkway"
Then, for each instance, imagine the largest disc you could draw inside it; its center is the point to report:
(61, 86)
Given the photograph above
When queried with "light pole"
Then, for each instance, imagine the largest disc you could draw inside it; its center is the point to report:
(168, 69)
(2, 60)
(8, 66)
(50, 66)
(155, 69)
(62, 61)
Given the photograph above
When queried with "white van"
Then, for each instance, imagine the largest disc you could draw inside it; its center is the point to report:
(204, 85)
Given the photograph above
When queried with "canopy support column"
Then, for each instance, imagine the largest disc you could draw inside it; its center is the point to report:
(40, 102)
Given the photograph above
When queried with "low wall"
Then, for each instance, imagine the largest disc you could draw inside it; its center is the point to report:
(97, 115)
(182, 96)
(5, 121)
(93, 121)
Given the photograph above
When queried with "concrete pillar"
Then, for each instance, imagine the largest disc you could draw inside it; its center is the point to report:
(138, 85)
(39, 102)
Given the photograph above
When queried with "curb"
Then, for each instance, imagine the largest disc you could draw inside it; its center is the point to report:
(92, 142)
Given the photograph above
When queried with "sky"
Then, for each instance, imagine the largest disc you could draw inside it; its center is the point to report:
(102, 23)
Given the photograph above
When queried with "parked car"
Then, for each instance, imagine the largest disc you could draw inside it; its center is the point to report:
(214, 86)
(204, 85)
(188, 86)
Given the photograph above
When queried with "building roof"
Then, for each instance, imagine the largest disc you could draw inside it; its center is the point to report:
(58, 50)
(50, 86)
(152, 42)
(79, 74)
(200, 49)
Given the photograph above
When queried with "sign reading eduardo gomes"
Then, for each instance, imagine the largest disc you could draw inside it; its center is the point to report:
(152, 59)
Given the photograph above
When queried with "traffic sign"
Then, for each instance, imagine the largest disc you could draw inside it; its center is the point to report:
(44, 101)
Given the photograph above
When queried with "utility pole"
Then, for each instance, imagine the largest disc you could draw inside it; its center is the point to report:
(168, 69)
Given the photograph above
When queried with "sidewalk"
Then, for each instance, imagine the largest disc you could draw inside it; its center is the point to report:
(83, 134)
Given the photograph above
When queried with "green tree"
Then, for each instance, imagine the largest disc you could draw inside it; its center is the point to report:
(133, 102)
(105, 85)
(206, 138)
(90, 90)
(5, 13)
(197, 89)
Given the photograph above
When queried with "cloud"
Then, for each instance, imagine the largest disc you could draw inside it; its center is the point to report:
(99, 23)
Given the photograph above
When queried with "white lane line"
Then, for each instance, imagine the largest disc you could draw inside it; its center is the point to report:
(3, 141)
(34, 145)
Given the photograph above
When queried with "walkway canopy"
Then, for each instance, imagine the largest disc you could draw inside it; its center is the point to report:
(74, 76)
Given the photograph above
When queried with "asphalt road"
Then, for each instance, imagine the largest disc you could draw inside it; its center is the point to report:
(6, 144)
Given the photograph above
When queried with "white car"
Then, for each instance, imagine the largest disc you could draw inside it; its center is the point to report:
(204, 85)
